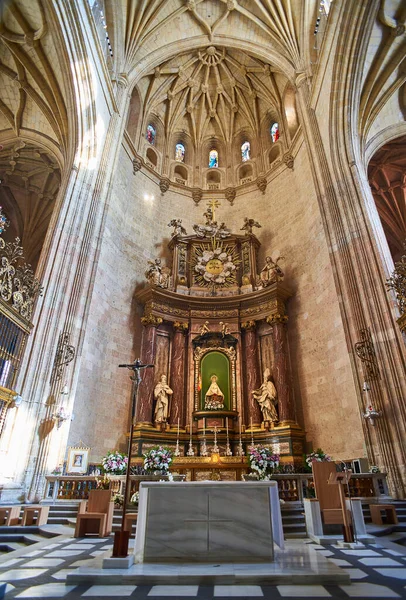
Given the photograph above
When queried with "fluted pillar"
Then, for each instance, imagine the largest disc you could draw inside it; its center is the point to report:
(281, 369)
(146, 390)
(252, 375)
(177, 379)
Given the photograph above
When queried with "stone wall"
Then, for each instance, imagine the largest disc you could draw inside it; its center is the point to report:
(136, 230)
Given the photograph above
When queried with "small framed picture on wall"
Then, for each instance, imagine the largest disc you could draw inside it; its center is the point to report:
(78, 459)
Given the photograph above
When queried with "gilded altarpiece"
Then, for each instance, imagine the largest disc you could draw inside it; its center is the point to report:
(214, 326)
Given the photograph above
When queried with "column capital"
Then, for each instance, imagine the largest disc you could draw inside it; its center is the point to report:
(180, 326)
(248, 325)
(151, 321)
(276, 318)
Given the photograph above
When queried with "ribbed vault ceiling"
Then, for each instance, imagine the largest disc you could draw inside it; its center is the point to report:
(212, 91)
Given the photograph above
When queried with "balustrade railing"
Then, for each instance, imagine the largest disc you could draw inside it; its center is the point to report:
(293, 487)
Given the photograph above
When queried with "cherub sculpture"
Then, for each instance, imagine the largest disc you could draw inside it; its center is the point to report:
(248, 225)
(225, 330)
(178, 228)
(204, 328)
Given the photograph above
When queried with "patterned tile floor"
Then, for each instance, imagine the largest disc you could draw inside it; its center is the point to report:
(378, 571)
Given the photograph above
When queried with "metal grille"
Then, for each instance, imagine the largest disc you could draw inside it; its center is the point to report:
(12, 342)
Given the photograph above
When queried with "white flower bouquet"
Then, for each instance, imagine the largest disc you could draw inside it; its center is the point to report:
(318, 456)
(263, 461)
(115, 463)
(158, 460)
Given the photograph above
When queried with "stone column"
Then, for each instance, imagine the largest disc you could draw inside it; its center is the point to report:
(146, 390)
(252, 375)
(281, 369)
(177, 379)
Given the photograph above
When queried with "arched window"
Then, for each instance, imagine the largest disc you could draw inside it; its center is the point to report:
(151, 133)
(275, 132)
(213, 158)
(180, 152)
(245, 151)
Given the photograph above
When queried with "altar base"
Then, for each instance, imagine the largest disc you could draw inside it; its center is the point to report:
(297, 564)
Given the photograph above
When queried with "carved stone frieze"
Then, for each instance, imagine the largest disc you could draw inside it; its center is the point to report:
(164, 184)
(197, 195)
(137, 165)
(288, 160)
(248, 325)
(261, 184)
(230, 195)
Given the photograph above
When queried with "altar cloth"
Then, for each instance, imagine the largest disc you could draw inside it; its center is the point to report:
(205, 521)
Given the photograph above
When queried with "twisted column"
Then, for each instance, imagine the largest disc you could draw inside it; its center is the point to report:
(148, 351)
(177, 377)
(281, 368)
(252, 375)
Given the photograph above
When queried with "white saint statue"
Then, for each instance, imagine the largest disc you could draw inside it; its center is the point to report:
(266, 396)
(214, 399)
(162, 392)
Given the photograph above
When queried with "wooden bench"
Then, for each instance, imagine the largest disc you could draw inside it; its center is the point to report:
(377, 510)
(10, 515)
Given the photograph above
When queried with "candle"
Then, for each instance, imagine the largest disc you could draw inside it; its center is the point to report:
(191, 427)
(227, 426)
(204, 429)
(239, 419)
(178, 426)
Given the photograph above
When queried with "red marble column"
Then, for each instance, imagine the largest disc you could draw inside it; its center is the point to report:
(281, 369)
(177, 380)
(252, 375)
(146, 390)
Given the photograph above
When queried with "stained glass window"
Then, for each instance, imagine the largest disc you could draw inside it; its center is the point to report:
(245, 151)
(275, 132)
(151, 133)
(180, 152)
(213, 158)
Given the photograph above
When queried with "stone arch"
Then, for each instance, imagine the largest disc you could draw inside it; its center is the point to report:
(289, 103)
(274, 153)
(134, 113)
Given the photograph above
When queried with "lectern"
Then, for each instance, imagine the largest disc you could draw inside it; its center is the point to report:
(342, 479)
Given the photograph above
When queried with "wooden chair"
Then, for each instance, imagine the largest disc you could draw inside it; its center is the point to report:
(130, 520)
(95, 515)
(35, 514)
(389, 510)
(328, 495)
(10, 515)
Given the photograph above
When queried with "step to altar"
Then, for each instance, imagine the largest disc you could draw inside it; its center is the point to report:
(298, 564)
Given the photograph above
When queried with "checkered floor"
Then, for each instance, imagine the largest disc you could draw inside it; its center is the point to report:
(40, 571)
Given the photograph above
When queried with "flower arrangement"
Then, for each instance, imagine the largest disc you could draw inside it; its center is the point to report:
(318, 456)
(158, 459)
(118, 500)
(263, 461)
(103, 484)
(135, 498)
(115, 463)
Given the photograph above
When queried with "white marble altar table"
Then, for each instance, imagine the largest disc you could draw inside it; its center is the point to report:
(202, 521)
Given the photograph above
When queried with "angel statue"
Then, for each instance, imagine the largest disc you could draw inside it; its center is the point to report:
(178, 228)
(266, 396)
(157, 274)
(248, 225)
(271, 271)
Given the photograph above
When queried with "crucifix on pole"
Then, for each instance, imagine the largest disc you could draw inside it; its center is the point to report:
(122, 537)
(213, 204)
